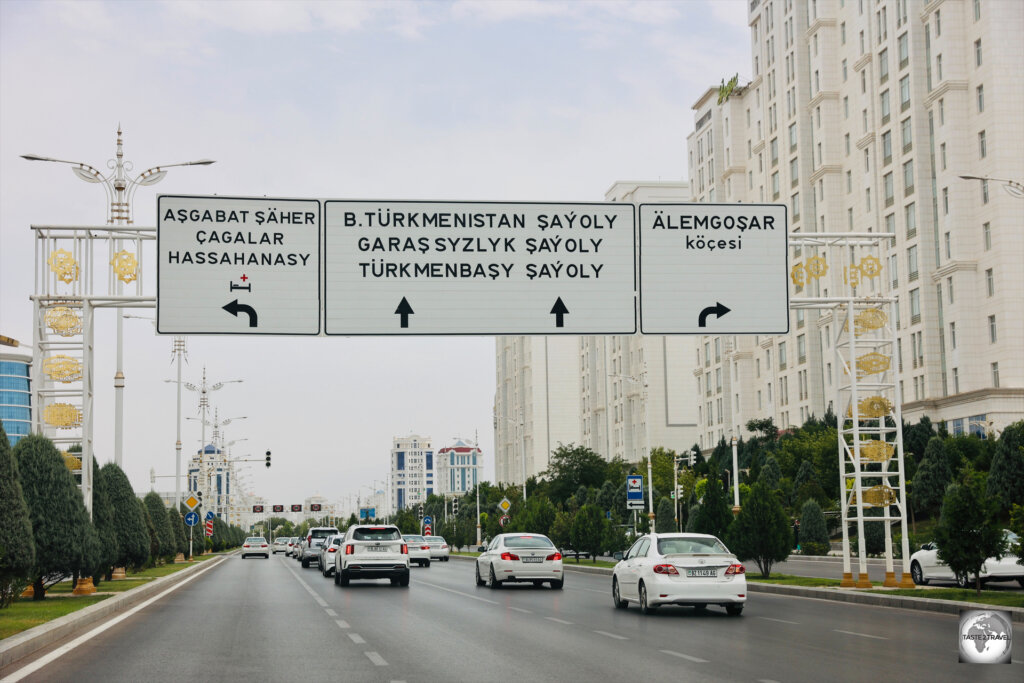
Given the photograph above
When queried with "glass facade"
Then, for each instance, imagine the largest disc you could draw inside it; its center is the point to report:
(15, 397)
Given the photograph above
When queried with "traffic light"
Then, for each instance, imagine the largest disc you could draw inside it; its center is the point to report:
(455, 506)
(199, 495)
(421, 510)
(268, 459)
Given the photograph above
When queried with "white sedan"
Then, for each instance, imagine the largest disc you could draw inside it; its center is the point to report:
(519, 558)
(679, 569)
(439, 549)
(256, 545)
(925, 566)
(419, 549)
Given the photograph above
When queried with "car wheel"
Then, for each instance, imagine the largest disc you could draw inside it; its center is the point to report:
(342, 577)
(538, 583)
(644, 607)
(426, 563)
(734, 610)
(616, 597)
(446, 559)
(476, 573)
(557, 585)
(917, 574)
(337, 576)
(492, 580)
(393, 581)
(305, 564)
(403, 581)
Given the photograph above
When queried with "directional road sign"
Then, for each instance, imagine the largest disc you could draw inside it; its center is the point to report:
(191, 518)
(209, 516)
(192, 502)
(427, 519)
(428, 530)
(713, 269)
(635, 492)
(232, 265)
(503, 520)
(505, 504)
(419, 268)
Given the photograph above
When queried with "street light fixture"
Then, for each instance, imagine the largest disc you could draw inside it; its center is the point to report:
(1012, 187)
(120, 187)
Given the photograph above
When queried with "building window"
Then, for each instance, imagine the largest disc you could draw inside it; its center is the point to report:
(992, 336)
(903, 45)
(952, 335)
(982, 145)
(915, 306)
(905, 136)
(986, 233)
(792, 137)
(984, 192)
(977, 52)
(794, 172)
(995, 375)
(904, 93)
(977, 9)
(980, 90)
(938, 66)
(990, 282)
(912, 263)
(890, 224)
(949, 289)
(945, 201)
(949, 249)
(938, 24)
(910, 219)
(908, 177)
(775, 185)
(885, 107)
(795, 199)
(942, 155)
(887, 185)
(846, 140)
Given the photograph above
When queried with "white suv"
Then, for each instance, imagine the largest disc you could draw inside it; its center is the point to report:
(372, 551)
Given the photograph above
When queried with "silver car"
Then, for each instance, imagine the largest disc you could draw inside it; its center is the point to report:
(439, 549)
(330, 546)
(419, 549)
(256, 545)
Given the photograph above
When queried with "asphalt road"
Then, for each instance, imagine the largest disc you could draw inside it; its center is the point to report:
(264, 620)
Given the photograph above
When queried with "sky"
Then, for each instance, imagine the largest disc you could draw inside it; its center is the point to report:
(504, 101)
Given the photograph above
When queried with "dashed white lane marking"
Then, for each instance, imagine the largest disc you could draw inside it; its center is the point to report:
(559, 621)
(64, 649)
(862, 635)
(376, 658)
(357, 639)
(320, 601)
(341, 623)
(519, 609)
(781, 621)
(689, 658)
(766, 680)
(331, 613)
(611, 635)
(465, 595)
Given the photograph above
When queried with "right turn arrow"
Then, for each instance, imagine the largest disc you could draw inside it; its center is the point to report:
(718, 310)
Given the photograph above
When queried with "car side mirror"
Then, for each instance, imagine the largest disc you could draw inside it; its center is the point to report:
(481, 549)
(617, 555)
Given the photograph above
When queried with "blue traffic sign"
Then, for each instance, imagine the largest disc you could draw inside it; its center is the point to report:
(209, 515)
(191, 519)
(427, 519)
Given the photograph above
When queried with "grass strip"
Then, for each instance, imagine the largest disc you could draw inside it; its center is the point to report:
(23, 614)
(790, 580)
(995, 598)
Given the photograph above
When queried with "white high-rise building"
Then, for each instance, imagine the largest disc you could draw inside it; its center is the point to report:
(458, 467)
(591, 390)
(412, 471)
(864, 116)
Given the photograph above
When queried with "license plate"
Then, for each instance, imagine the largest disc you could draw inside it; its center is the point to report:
(702, 572)
(533, 559)
(377, 549)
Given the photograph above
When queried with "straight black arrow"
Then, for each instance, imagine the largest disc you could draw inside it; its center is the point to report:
(234, 307)
(559, 310)
(404, 310)
(718, 309)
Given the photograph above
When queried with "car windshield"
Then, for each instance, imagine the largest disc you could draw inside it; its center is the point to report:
(528, 542)
(376, 534)
(679, 546)
(435, 540)
(255, 539)
(322, 533)
(414, 539)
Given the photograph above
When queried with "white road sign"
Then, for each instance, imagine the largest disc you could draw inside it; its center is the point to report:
(229, 265)
(713, 269)
(405, 267)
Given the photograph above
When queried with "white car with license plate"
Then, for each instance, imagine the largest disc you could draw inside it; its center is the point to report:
(679, 569)
(519, 557)
(256, 545)
(419, 550)
(439, 549)
(926, 566)
(372, 551)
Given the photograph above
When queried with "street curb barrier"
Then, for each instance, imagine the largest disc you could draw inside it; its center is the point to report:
(23, 644)
(921, 604)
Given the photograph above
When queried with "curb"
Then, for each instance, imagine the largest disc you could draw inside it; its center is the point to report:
(846, 595)
(27, 642)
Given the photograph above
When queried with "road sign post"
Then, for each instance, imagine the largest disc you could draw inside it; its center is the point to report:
(635, 492)
(713, 269)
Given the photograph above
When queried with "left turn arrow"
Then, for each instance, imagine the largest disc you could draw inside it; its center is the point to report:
(234, 308)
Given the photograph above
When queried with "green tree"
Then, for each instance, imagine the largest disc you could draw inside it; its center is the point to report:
(573, 466)
(538, 515)
(178, 529)
(606, 496)
(129, 524)
(761, 531)
(587, 531)
(1006, 478)
(813, 530)
(103, 522)
(931, 479)
(166, 544)
(55, 509)
(151, 532)
(17, 548)
(560, 529)
(714, 514)
(771, 474)
(664, 521)
(874, 532)
(968, 532)
(804, 474)
(916, 437)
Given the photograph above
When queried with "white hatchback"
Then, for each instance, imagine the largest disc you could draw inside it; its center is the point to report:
(529, 558)
(679, 569)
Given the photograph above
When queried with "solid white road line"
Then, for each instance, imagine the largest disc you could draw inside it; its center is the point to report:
(376, 658)
(688, 658)
(64, 649)
(611, 635)
(357, 639)
(862, 635)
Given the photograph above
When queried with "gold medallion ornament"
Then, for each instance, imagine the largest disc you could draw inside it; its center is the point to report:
(877, 451)
(797, 274)
(125, 265)
(64, 265)
(877, 496)
(73, 462)
(867, 320)
(851, 275)
(872, 364)
(62, 415)
(874, 406)
(63, 321)
(870, 267)
(816, 267)
(61, 368)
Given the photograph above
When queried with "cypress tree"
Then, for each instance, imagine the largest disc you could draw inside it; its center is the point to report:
(1006, 477)
(103, 522)
(60, 525)
(153, 554)
(178, 527)
(968, 531)
(813, 530)
(164, 533)
(771, 473)
(128, 523)
(17, 548)
(587, 530)
(761, 531)
(931, 479)
(714, 515)
(665, 521)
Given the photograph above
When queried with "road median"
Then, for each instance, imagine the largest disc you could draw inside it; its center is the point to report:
(21, 645)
